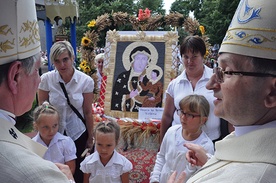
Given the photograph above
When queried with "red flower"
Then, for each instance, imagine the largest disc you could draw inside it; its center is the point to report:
(140, 15)
(151, 124)
(135, 123)
(143, 15)
(158, 125)
(147, 13)
(143, 126)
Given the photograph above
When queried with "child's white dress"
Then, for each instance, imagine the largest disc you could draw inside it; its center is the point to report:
(60, 150)
(110, 173)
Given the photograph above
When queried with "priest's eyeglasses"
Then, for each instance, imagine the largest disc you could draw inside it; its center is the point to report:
(220, 74)
(187, 115)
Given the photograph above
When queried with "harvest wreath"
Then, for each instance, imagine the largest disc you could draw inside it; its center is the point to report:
(124, 22)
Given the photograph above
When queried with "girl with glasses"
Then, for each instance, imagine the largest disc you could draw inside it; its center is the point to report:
(193, 112)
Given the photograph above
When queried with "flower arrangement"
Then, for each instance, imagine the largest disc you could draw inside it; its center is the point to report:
(149, 22)
(202, 32)
(92, 23)
(134, 131)
(85, 42)
(143, 15)
(202, 29)
(142, 18)
(87, 65)
(117, 20)
(98, 113)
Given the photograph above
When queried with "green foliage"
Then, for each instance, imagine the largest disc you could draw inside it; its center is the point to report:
(24, 123)
(178, 5)
(90, 10)
(214, 15)
(182, 34)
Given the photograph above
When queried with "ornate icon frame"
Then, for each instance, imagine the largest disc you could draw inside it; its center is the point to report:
(116, 38)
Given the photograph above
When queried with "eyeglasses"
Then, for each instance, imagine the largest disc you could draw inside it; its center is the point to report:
(220, 74)
(187, 115)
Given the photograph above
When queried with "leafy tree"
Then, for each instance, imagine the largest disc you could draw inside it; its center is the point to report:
(214, 15)
(181, 6)
(89, 10)
(217, 19)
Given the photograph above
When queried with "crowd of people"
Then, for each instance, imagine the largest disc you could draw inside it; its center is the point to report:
(240, 91)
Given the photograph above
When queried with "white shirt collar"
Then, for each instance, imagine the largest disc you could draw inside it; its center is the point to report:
(205, 74)
(59, 79)
(241, 130)
(8, 116)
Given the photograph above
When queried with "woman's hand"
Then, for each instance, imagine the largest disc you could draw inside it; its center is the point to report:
(90, 142)
(180, 178)
(196, 154)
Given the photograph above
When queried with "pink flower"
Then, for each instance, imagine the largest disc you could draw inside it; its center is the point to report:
(143, 15)
(147, 12)
(140, 15)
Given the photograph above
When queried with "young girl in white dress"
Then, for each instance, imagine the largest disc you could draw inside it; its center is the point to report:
(61, 149)
(106, 164)
(193, 112)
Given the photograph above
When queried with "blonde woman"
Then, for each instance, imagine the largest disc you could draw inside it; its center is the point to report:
(79, 88)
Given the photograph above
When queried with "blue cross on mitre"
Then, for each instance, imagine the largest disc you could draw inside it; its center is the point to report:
(247, 13)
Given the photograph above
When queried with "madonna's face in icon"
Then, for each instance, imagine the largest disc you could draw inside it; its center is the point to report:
(140, 62)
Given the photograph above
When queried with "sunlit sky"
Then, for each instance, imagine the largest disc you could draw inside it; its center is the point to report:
(168, 5)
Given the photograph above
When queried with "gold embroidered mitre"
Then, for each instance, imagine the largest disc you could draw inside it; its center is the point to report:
(19, 32)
